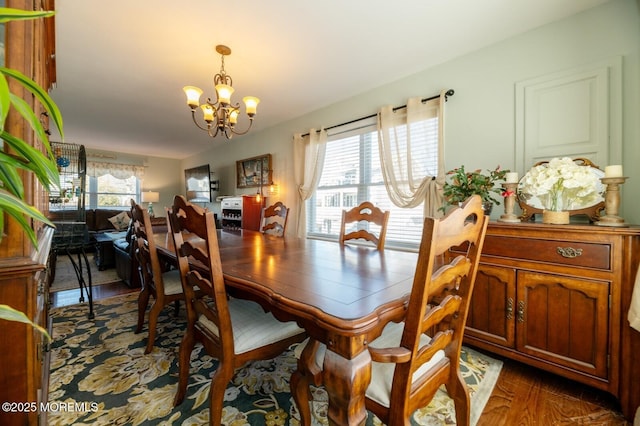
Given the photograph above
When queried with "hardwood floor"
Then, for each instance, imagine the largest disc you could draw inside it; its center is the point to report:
(71, 297)
(523, 395)
(526, 396)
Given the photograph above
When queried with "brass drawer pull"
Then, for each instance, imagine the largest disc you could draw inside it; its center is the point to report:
(569, 252)
(510, 308)
(521, 311)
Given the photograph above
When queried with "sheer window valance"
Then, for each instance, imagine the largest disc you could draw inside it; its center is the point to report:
(117, 170)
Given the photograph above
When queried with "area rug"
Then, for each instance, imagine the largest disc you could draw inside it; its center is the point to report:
(101, 376)
(66, 278)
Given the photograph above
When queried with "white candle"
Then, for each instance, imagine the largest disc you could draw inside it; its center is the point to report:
(511, 177)
(613, 171)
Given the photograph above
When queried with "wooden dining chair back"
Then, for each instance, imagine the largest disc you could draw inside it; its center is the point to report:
(412, 359)
(232, 330)
(366, 216)
(157, 280)
(273, 219)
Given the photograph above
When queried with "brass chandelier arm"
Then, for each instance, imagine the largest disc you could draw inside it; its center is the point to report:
(235, 132)
(193, 115)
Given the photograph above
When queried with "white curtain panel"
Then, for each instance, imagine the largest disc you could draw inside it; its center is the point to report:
(308, 154)
(406, 185)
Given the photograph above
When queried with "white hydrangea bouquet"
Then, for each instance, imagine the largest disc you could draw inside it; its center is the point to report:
(561, 184)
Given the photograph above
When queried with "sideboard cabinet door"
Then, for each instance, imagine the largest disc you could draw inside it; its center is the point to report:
(492, 312)
(564, 321)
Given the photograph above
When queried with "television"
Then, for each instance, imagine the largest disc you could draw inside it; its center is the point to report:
(198, 183)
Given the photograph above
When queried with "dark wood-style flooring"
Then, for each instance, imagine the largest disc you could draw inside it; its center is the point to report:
(523, 395)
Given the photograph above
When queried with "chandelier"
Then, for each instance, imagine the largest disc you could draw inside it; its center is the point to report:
(220, 116)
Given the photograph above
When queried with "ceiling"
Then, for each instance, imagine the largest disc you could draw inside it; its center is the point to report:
(121, 64)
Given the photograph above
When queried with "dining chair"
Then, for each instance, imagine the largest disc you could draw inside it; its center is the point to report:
(155, 279)
(365, 212)
(273, 219)
(232, 330)
(408, 366)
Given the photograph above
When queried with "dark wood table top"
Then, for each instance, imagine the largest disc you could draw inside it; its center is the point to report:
(347, 287)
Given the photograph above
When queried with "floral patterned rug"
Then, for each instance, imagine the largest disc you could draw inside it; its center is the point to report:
(101, 376)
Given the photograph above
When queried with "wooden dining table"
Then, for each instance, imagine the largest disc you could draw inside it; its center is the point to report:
(343, 296)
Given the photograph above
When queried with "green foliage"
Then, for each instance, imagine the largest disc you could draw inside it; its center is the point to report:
(10, 314)
(460, 185)
(23, 156)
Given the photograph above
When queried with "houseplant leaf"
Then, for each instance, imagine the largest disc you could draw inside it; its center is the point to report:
(5, 102)
(8, 14)
(18, 209)
(35, 161)
(42, 96)
(9, 176)
(10, 314)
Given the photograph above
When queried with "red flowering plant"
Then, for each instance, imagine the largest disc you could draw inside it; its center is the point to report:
(461, 184)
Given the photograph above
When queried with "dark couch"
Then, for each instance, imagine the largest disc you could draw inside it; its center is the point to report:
(97, 219)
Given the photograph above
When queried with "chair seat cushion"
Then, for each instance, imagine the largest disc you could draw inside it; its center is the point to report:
(252, 326)
(172, 282)
(379, 389)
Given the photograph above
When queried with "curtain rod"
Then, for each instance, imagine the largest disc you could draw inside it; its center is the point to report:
(449, 92)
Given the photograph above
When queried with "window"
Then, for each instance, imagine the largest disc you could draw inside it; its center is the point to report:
(352, 174)
(111, 192)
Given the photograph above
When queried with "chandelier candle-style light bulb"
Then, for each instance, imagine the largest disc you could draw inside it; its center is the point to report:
(220, 116)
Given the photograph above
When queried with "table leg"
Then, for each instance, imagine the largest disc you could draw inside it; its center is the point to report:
(346, 381)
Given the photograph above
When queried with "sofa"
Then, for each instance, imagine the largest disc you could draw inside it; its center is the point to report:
(97, 220)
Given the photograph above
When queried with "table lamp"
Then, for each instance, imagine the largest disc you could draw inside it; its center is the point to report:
(150, 197)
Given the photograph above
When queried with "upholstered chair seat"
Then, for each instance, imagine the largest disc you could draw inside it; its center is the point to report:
(252, 327)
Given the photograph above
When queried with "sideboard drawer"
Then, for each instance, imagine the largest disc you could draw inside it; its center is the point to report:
(588, 255)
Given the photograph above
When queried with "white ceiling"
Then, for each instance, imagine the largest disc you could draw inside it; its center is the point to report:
(121, 64)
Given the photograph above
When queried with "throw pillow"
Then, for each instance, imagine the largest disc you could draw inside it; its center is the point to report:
(120, 221)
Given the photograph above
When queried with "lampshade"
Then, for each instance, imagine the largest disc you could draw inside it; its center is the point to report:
(150, 197)
(193, 95)
(251, 103)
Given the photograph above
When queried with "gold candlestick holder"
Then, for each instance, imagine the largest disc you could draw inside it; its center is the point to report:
(612, 202)
(509, 195)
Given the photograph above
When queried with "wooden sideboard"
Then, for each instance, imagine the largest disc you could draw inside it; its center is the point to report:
(556, 297)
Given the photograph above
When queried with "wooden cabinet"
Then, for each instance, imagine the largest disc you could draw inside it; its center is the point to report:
(554, 297)
(241, 213)
(251, 211)
(23, 267)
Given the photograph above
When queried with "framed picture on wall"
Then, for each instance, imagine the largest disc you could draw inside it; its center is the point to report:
(251, 170)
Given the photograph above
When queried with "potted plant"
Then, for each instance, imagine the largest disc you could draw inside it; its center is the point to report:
(23, 156)
(460, 185)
